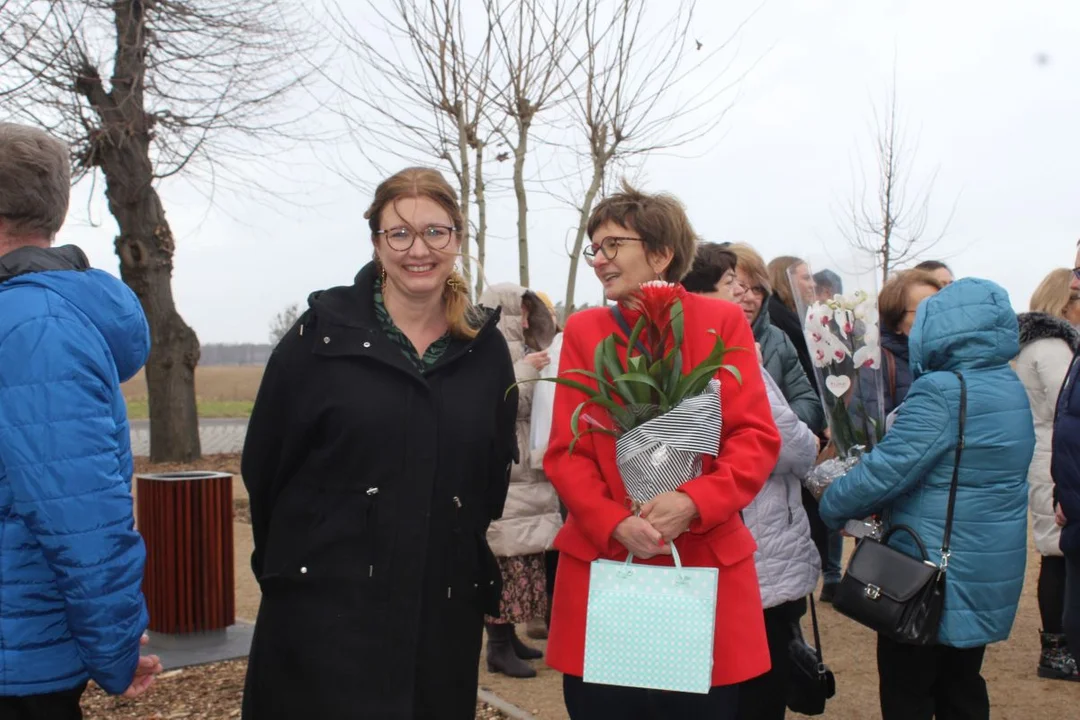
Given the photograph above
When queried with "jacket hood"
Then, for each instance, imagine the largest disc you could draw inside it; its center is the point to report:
(1041, 326)
(508, 297)
(108, 303)
(967, 326)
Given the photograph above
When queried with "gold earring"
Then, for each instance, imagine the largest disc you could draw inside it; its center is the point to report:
(382, 275)
(455, 283)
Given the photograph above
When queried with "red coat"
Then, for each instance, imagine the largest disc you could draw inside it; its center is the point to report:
(589, 484)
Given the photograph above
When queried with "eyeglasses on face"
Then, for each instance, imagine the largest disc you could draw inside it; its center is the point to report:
(1076, 273)
(608, 247)
(402, 237)
(758, 290)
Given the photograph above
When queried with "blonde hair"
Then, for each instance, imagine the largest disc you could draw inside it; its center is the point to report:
(778, 276)
(462, 316)
(752, 264)
(1053, 294)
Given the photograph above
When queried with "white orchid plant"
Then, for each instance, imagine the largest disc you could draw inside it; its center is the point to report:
(844, 341)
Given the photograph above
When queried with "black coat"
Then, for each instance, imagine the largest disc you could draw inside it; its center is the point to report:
(372, 487)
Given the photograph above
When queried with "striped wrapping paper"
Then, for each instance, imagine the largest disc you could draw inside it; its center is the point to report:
(662, 454)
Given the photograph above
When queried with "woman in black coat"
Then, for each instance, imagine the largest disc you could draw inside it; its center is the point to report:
(377, 454)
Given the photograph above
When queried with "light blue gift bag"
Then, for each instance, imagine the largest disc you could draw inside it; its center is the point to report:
(650, 626)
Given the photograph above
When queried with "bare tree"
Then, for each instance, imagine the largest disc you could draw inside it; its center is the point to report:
(145, 90)
(630, 96)
(283, 322)
(891, 223)
(533, 40)
(419, 88)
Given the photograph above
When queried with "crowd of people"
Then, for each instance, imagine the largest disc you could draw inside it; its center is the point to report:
(415, 483)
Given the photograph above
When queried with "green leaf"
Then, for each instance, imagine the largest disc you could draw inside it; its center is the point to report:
(598, 376)
(583, 433)
(695, 382)
(601, 381)
(734, 371)
(677, 323)
(635, 335)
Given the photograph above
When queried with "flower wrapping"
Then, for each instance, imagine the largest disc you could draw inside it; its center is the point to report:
(665, 452)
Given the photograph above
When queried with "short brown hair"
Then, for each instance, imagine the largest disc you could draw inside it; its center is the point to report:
(419, 182)
(892, 300)
(35, 181)
(659, 219)
(752, 264)
(1054, 293)
(778, 276)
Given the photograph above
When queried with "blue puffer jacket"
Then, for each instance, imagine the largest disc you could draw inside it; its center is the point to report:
(71, 563)
(968, 327)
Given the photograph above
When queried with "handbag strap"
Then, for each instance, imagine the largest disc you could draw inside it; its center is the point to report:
(817, 633)
(956, 473)
(620, 319)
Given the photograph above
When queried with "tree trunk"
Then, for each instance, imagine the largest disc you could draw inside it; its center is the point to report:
(522, 204)
(481, 220)
(465, 178)
(579, 239)
(121, 148)
(145, 247)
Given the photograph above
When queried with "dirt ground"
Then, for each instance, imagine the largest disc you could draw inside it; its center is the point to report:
(1015, 691)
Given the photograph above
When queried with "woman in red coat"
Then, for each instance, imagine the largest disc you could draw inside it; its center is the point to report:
(637, 238)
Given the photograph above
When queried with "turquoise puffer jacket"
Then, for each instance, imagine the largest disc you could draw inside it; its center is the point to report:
(968, 327)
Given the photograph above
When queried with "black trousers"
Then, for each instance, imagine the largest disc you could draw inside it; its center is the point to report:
(933, 681)
(1071, 620)
(765, 697)
(62, 705)
(588, 701)
(1051, 592)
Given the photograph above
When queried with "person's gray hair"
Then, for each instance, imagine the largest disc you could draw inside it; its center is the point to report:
(35, 181)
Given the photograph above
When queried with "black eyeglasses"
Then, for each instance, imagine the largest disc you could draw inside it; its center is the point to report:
(401, 238)
(608, 247)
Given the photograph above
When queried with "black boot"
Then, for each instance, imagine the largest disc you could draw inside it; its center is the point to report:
(522, 650)
(1056, 662)
(501, 657)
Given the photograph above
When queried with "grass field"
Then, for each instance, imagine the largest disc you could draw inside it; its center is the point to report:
(222, 391)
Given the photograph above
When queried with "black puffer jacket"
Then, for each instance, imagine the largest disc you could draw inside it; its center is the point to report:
(372, 487)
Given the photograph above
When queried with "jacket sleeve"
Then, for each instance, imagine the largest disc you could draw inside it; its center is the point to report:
(505, 452)
(798, 449)
(1052, 365)
(922, 434)
(749, 443)
(270, 429)
(577, 477)
(798, 390)
(59, 446)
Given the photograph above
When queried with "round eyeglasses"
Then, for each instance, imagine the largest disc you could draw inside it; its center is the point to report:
(401, 238)
(608, 247)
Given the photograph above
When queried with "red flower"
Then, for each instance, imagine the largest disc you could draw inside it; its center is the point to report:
(656, 301)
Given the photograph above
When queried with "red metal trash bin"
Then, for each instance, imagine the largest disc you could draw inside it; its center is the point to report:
(186, 521)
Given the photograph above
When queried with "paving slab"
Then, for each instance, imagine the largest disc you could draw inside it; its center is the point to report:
(179, 651)
(216, 435)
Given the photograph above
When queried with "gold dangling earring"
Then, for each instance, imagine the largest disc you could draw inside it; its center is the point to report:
(382, 275)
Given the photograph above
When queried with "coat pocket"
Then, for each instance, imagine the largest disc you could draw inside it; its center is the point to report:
(319, 533)
(731, 547)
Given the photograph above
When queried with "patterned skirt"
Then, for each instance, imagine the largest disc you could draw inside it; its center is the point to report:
(524, 595)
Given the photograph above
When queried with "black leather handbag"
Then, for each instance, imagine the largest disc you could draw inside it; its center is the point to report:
(810, 681)
(893, 593)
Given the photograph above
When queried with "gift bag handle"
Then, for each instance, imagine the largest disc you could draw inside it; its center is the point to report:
(681, 577)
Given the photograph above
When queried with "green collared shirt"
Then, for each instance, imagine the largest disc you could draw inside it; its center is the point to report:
(431, 355)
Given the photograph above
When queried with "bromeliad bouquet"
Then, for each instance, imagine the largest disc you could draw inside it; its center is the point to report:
(664, 419)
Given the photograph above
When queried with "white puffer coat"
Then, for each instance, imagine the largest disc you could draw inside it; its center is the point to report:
(1047, 345)
(788, 564)
(530, 518)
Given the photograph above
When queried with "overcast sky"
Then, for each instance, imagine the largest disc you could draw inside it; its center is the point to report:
(988, 90)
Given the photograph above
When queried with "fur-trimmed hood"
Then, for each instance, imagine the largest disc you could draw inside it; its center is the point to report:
(508, 297)
(1041, 326)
